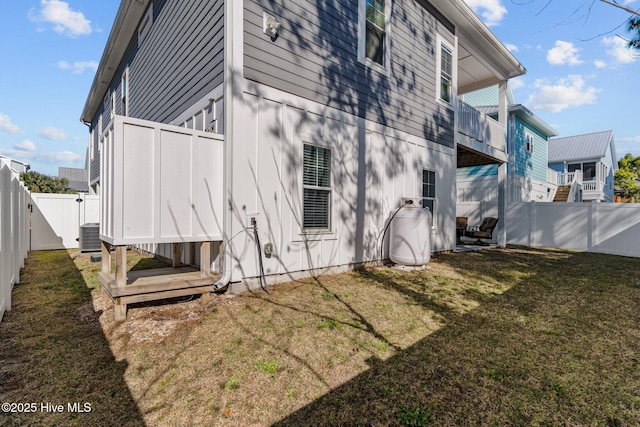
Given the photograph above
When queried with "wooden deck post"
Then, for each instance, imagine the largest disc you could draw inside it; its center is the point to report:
(106, 259)
(205, 267)
(192, 253)
(121, 280)
(177, 255)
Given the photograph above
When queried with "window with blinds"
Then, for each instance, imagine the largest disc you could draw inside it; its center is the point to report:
(316, 183)
(429, 192)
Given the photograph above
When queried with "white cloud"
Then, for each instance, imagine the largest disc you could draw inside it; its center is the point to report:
(6, 125)
(619, 50)
(511, 47)
(599, 63)
(54, 157)
(563, 53)
(53, 133)
(491, 11)
(78, 67)
(62, 18)
(628, 145)
(516, 83)
(565, 93)
(25, 145)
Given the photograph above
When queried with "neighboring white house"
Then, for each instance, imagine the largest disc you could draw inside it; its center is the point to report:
(17, 165)
(594, 154)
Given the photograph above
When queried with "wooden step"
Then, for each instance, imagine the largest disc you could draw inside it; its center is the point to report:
(562, 194)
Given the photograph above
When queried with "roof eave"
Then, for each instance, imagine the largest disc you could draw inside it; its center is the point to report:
(129, 14)
(483, 39)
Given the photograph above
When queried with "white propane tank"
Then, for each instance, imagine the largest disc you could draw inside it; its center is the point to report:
(410, 236)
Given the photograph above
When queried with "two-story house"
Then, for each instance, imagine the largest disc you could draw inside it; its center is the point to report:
(299, 124)
(594, 156)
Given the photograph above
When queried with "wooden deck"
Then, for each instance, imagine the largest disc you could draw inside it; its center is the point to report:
(154, 284)
(127, 287)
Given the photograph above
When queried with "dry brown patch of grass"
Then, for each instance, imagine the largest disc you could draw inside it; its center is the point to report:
(502, 337)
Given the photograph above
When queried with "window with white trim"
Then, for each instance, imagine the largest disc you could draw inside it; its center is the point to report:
(92, 144)
(113, 103)
(316, 187)
(429, 192)
(445, 73)
(529, 139)
(373, 44)
(145, 25)
(125, 92)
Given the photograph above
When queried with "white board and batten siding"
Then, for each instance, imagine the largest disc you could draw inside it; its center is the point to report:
(372, 168)
(160, 183)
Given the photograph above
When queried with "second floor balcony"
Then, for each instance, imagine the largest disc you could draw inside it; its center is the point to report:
(480, 139)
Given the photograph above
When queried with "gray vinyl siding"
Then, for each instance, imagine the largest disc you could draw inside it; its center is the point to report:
(179, 61)
(315, 57)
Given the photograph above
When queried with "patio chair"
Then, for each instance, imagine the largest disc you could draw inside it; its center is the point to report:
(461, 226)
(483, 231)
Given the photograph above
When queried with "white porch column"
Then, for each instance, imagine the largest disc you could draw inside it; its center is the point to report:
(502, 168)
(502, 103)
(501, 228)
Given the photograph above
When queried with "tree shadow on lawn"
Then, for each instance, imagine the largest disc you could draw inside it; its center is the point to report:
(552, 349)
(53, 350)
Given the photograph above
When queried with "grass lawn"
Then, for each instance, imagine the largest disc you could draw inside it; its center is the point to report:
(507, 337)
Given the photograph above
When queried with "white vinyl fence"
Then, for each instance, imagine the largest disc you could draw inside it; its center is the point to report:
(14, 232)
(611, 228)
(56, 219)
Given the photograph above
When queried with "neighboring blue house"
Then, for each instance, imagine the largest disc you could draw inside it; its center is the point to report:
(595, 155)
(527, 170)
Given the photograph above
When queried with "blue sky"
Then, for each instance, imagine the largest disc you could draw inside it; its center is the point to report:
(580, 77)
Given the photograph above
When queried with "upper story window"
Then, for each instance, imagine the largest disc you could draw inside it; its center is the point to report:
(145, 25)
(588, 170)
(125, 92)
(373, 44)
(445, 60)
(528, 138)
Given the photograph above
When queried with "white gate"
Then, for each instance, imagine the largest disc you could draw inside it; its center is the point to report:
(56, 219)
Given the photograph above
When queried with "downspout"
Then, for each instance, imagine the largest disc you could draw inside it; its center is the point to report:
(227, 180)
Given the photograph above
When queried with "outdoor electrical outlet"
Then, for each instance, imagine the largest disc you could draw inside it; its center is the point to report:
(268, 250)
(251, 217)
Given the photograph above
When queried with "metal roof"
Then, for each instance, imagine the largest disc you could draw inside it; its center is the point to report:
(578, 147)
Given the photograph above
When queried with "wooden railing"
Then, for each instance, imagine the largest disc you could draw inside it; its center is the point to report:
(568, 178)
(480, 127)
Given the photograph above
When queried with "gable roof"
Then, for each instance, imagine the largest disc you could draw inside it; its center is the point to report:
(124, 27)
(578, 147)
(78, 178)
